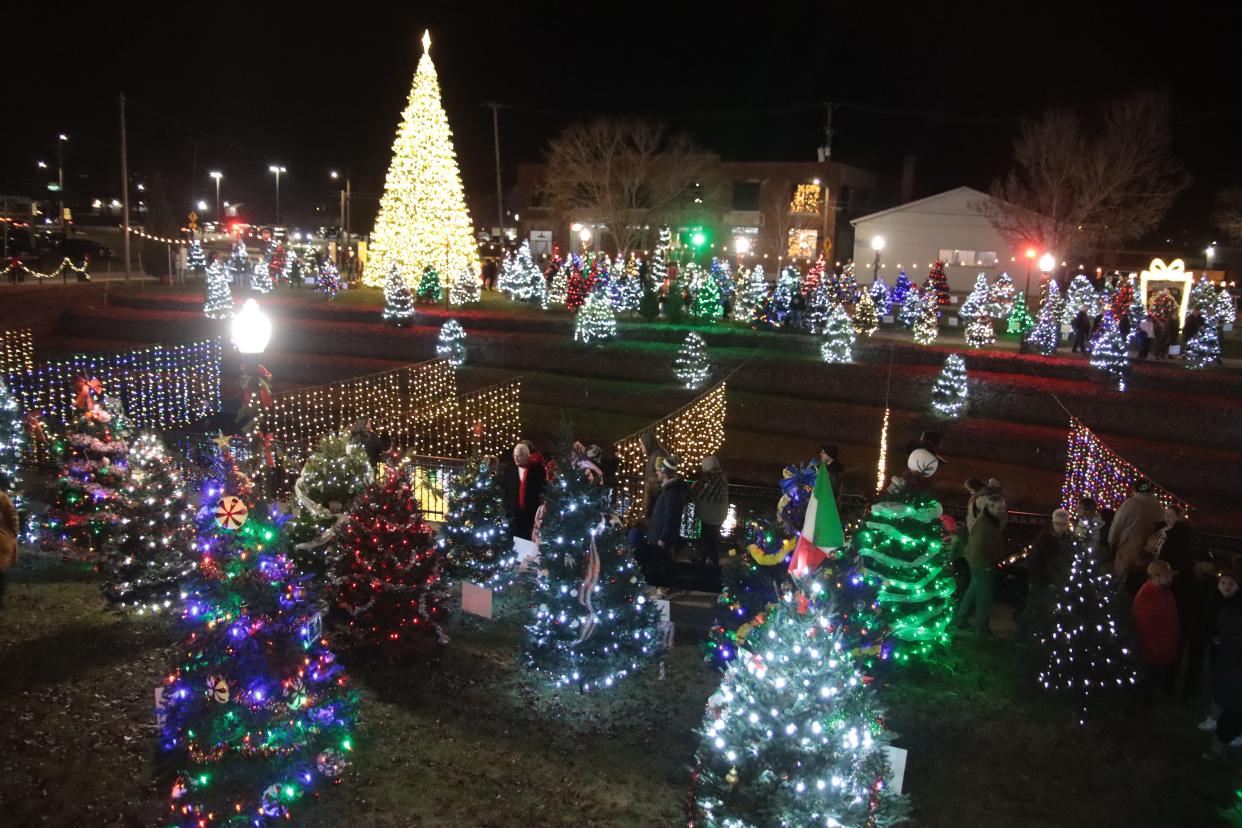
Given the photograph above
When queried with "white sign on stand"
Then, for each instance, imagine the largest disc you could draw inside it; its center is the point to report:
(887, 319)
(476, 600)
(897, 765)
(527, 553)
(952, 321)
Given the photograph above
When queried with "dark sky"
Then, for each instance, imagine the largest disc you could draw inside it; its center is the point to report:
(317, 88)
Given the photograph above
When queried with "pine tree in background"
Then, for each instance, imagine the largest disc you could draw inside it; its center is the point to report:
(1084, 655)
(981, 331)
(1019, 320)
(707, 304)
(1046, 335)
(937, 283)
(795, 736)
(195, 258)
(84, 511)
(691, 367)
(429, 290)
(751, 293)
(927, 326)
(911, 307)
(260, 280)
(151, 558)
(901, 289)
(839, 337)
(866, 321)
(814, 277)
(257, 712)
(1001, 297)
(880, 294)
(901, 544)
(1202, 296)
(976, 303)
(1079, 295)
(451, 344)
(423, 220)
(389, 593)
(328, 282)
(238, 264)
(1226, 311)
(398, 303)
(595, 321)
(593, 625)
(467, 287)
(949, 395)
(576, 289)
(818, 305)
(1108, 351)
(1203, 349)
(475, 543)
(12, 445)
(218, 303)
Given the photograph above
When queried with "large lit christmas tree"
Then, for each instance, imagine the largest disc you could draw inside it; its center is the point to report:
(1084, 654)
(794, 736)
(595, 321)
(949, 395)
(475, 542)
(398, 302)
(1108, 351)
(592, 624)
(218, 301)
(150, 557)
(257, 712)
(839, 337)
(423, 221)
(389, 593)
(12, 444)
(691, 367)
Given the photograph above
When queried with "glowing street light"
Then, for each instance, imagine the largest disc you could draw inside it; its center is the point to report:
(252, 329)
(217, 175)
(1047, 263)
(742, 245)
(877, 244)
(275, 168)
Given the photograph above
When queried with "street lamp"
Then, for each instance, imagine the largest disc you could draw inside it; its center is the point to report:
(60, 174)
(1210, 254)
(877, 244)
(1047, 263)
(202, 205)
(277, 170)
(1030, 257)
(217, 175)
(585, 236)
(346, 206)
(251, 329)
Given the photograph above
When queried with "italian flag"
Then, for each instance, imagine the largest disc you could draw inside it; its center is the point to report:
(821, 531)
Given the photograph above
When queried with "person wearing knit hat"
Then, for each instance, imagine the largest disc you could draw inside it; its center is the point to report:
(1131, 535)
(1155, 619)
(710, 494)
(656, 554)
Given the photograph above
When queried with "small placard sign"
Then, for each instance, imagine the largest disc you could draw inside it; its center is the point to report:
(476, 600)
(896, 764)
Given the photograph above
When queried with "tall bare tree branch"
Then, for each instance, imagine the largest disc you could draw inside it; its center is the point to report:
(1228, 212)
(629, 174)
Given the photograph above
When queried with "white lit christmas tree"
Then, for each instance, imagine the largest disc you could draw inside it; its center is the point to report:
(1046, 335)
(1203, 349)
(595, 321)
(1001, 297)
(880, 294)
(751, 294)
(398, 303)
(691, 367)
(927, 326)
(558, 289)
(260, 278)
(866, 321)
(218, 303)
(839, 336)
(423, 221)
(911, 307)
(526, 279)
(949, 395)
(976, 303)
(1226, 310)
(328, 281)
(1203, 296)
(1108, 351)
(1079, 295)
(818, 305)
(12, 444)
(451, 344)
(657, 267)
(981, 331)
(466, 288)
(195, 258)
(475, 540)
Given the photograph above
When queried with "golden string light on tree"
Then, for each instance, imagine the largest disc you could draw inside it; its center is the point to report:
(423, 221)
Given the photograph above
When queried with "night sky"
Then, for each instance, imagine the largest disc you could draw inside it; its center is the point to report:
(238, 87)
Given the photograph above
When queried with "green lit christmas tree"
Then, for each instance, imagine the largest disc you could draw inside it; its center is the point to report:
(1019, 320)
(707, 304)
(429, 290)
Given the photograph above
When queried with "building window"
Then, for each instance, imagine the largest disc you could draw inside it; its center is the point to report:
(969, 258)
(802, 243)
(807, 199)
(986, 258)
(745, 195)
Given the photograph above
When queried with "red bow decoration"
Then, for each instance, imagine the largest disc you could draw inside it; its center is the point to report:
(268, 456)
(35, 428)
(88, 393)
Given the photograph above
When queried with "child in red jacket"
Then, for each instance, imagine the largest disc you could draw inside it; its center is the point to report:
(1155, 618)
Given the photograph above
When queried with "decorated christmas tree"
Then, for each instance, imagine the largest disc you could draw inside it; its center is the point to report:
(1019, 320)
(257, 712)
(1079, 295)
(1203, 296)
(238, 264)
(577, 287)
(218, 303)
(1046, 335)
(751, 293)
(260, 278)
(429, 290)
(976, 303)
(12, 445)
(818, 305)
(814, 277)
(1001, 297)
(1123, 299)
(880, 294)
(794, 736)
(631, 291)
(901, 289)
(389, 592)
(901, 543)
(328, 280)
(150, 558)
(398, 303)
(752, 578)
(981, 332)
(595, 321)
(937, 283)
(466, 288)
(274, 260)
(332, 477)
(84, 511)
(927, 326)
(789, 283)
(691, 367)
(707, 304)
(195, 258)
(558, 290)
(423, 221)
(1226, 311)
(948, 398)
(911, 307)
(475, 542)
(526, 280)
(1108, 351)
(1084, 655)
(845, 285)
(720, 272)
(657, 266)
(293, 269)
(1203, 349)
(866, 321)
(839, 337)
(509, 278)
(593, 625)
(451, 344)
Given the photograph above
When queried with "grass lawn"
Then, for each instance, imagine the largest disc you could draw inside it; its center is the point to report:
(463, 738)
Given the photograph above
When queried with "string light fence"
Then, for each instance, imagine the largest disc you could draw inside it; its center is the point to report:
(66, 267)
(690, 433)
(492, 418)
(1094, 470)
(16, 351)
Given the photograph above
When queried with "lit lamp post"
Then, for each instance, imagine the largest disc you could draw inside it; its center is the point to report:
(60, 174)
(1210, 254)
(741, 245)
(1047, 263)
(877, 244)
(251, 331)
(584, 235)
(217, 176)
(1030, 257)
(277, 170)
(343, 232)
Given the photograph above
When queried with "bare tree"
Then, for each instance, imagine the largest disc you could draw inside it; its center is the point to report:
(1228, 212)
(627, 175)
(1072, 188)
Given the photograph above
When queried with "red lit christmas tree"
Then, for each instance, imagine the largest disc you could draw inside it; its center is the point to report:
(938, 282)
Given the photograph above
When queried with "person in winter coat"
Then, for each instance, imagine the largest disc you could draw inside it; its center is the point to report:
(1131, 534)
(1082, 329)
(1161, 334)
(651, 478)
(1155, 619)
(364, 436)
(1145, 332)
(1227, 667)
(8, 534)
(985, 548)
(1178, 550)
(1049, 554)
(1193, 323)
(711, 505)
(524, 490)
(655, 555)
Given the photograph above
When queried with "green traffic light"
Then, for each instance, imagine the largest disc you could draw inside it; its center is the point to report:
(699, 238)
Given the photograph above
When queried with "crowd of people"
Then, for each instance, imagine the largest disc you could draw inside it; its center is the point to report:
(1152, 338)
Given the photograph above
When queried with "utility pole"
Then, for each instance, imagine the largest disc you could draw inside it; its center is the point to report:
(500, 210)
(825, 157)
(124, 190)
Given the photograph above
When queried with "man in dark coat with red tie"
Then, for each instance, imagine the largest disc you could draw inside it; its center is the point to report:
(524, 491)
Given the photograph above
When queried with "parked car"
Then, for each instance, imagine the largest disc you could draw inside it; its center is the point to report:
(19, 248)
(78, 250)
